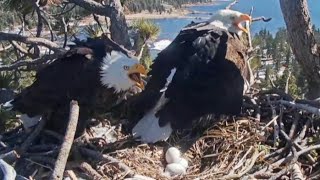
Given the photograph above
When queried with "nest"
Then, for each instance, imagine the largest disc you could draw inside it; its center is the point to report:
(275, 138)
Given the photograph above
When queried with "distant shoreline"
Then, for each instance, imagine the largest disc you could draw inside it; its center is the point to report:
(176, 13)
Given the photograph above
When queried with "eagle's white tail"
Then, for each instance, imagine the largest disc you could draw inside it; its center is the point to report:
(148, 130)
(8, 106)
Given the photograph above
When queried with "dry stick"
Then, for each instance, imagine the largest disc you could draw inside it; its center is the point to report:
(248, 27)
(245, 169)
(98, 156)
(296, 173)
(71, 175)
(10, 156)
(31, 40)
(93, 174)
(43, 59)
(262, 18)
(305, 107)
(32, 136)
(287, 83)
(65, 32)
(294, 125)
(231, 4)
(67, 143)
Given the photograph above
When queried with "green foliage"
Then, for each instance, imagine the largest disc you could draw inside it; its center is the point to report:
(278, 49)
(255, 63)
(93, 30)
(6, 80)
(22, 6)
(146, 59)
(146, 28)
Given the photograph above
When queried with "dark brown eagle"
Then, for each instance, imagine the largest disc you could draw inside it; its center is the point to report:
(96, 73)
(201, 72)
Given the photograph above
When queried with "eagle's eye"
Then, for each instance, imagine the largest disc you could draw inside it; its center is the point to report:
(126, 68)
(232, 18)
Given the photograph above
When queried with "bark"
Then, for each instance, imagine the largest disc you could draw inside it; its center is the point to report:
(62, 158)
(118, 28)
(302, 41)
(31, 40)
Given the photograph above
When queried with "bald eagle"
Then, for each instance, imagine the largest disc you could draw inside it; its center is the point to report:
(201, 72)
(95, 73)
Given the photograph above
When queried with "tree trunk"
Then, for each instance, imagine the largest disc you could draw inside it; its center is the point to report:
(118, 28)
(302, 42)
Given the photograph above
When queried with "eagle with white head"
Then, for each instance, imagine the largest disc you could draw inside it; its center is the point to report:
(96, 73)
(199, 74)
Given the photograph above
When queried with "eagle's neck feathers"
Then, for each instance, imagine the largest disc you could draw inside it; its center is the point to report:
(112, 71)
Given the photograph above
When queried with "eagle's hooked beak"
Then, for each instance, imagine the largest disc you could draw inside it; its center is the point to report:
(135, 73)
(243, 17)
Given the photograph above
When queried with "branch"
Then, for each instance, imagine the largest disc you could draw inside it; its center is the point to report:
(98, 156)
(20, 48)
(31, 40)
(32, 136)
(93, 6)
(67, 143)
(261, 18)
(232, 4)
(118, 28)
(305, 107)
(93, 174)
(4, 48)
(37, 61)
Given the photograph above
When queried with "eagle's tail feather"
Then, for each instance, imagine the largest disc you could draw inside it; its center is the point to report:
(7, 106)
(148, 130)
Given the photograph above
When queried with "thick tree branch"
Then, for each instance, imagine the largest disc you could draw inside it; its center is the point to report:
(118, 28)
(31, 40)
(67, 142)
(37, 61)
(302, 41)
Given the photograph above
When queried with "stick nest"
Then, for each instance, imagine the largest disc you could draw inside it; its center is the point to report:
(274, 138)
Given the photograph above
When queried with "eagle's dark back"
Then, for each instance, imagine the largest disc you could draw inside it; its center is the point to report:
(74, 76)
(209, 79)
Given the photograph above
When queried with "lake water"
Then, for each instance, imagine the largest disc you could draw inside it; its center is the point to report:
(268, 8)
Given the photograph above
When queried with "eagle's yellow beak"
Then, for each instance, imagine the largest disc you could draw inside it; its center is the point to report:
(243, 17)
(135, 73)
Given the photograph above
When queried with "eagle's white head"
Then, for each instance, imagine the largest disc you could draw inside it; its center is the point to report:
(120, 72)
(230, 20)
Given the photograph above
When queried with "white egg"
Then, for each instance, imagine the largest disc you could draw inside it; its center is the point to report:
(175, 169)
(173, 155)
(183, 162)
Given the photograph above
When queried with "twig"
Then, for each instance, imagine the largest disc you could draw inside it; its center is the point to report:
(71, 175)
(10, 156)
(261, 18)
(305, 107)
(65, 31)
(248, 27)
(32, 136)
(287, 83)
(306, 150)
(246, 169)
(67, 143)
(8, 171)
(98, 156)
(37, 61)
(231, 4)
(87, 168)
(31, 40)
